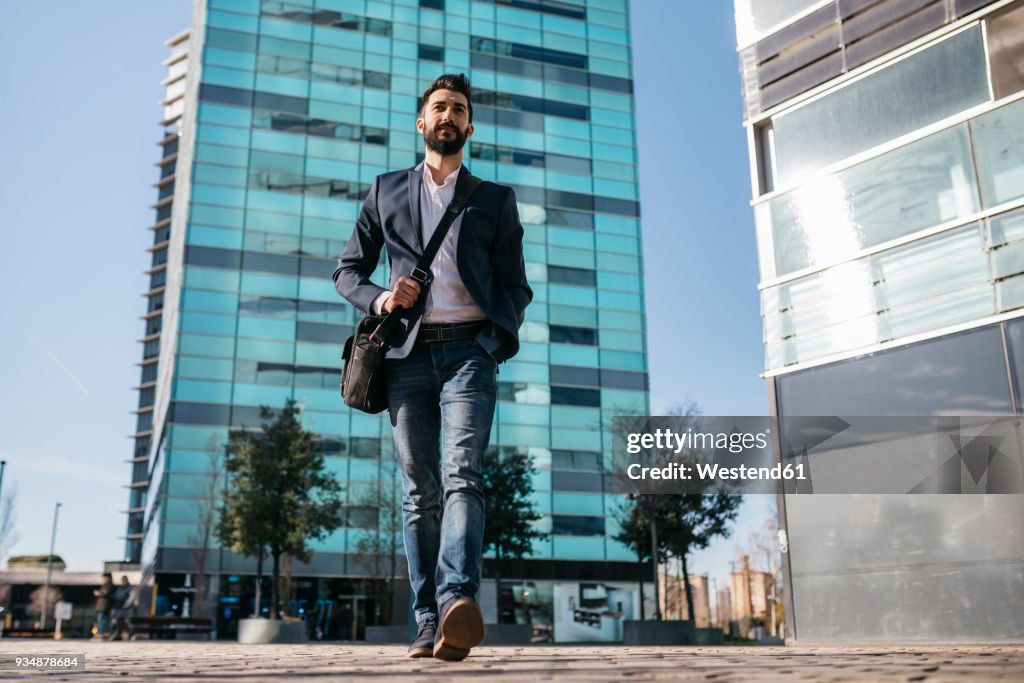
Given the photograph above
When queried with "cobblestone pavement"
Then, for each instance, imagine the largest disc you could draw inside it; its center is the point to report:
(226, 662)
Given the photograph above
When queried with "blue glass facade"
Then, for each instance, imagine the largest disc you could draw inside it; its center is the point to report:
(280, 115)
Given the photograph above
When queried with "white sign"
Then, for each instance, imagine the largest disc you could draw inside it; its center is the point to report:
(62, 610)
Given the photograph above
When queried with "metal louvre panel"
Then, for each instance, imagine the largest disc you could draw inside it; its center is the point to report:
(878, 17)
(894, 35)
(835, 39)
(807, 51)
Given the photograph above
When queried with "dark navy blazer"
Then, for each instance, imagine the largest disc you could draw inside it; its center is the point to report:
(489, 257)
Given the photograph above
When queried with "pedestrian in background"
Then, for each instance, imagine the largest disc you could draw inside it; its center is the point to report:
(104, 601)
(125, 602)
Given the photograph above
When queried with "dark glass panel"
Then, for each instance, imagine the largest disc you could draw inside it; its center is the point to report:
(575, 460)
(322, 332)
(431, 53)
(959, 374)
(622, 379)
(577, 525)
(225, 95)
(184, 412)
(572, 276)
(570, 200)
(622, 207)
(567, 334)
(567, 374)
(213, 257)
(573, 396)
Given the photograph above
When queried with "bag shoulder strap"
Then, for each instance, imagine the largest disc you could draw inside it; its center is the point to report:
(464, 189)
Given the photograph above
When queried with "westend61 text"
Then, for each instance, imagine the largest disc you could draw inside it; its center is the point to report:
(714, 472)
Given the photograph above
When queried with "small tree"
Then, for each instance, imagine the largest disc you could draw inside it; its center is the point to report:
(278, 496)
(508, 511)
(379, 550)
(201, 538)
(637, 532)
(695, 520)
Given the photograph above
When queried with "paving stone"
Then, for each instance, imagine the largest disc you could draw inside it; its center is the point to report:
(187, 662)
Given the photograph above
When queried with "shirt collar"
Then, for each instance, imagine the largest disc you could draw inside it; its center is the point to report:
(428, 179)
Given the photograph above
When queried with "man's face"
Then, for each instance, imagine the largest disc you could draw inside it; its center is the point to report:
(444, 122)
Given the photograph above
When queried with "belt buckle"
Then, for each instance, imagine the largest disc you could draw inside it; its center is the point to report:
(447, 333)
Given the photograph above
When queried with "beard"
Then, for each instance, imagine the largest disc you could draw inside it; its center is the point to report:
(444, 147)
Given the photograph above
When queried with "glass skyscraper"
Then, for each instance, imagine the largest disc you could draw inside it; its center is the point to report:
(278, 117)
(887, 160)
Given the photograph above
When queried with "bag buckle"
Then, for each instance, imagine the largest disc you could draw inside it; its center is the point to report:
(421, 276)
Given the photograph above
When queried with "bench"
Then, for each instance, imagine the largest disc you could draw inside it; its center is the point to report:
(168, 628)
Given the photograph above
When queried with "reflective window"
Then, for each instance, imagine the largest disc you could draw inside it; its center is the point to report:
(918, 186)
(928, 86)
(999, 149)
(918, 287)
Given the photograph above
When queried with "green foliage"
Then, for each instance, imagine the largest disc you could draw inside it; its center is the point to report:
(279, 497)
(684, 522)
(509, 512)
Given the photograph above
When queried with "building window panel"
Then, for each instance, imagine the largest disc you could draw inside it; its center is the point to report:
(919, 186)
(903, 291)
(574, 396)
(961, 374)
(565, 334)
(572, 276)
(999, 149)
(928, 86)
(577, 525)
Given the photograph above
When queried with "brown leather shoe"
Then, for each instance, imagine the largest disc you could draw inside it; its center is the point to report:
(461, 628)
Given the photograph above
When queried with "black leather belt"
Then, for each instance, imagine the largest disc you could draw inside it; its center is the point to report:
(438, 332)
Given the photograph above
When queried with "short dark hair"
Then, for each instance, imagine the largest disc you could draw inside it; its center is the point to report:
(454, 82)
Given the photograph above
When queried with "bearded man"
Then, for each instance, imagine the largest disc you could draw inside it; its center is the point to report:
(461, 320)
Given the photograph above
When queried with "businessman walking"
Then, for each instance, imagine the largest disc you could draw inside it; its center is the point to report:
(462, 320)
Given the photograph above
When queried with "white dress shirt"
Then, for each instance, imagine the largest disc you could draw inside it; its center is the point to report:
(447, 298)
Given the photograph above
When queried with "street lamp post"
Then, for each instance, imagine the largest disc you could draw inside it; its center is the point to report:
(49, 569)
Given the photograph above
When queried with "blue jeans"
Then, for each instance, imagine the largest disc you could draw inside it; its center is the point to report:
(102, 623)
(441, 401)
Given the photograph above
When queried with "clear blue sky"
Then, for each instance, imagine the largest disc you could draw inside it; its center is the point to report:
(79, 111)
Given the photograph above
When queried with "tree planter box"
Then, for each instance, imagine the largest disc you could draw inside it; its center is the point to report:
(507, 634)
(271, 631)
(389, 634)
(636, 632)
